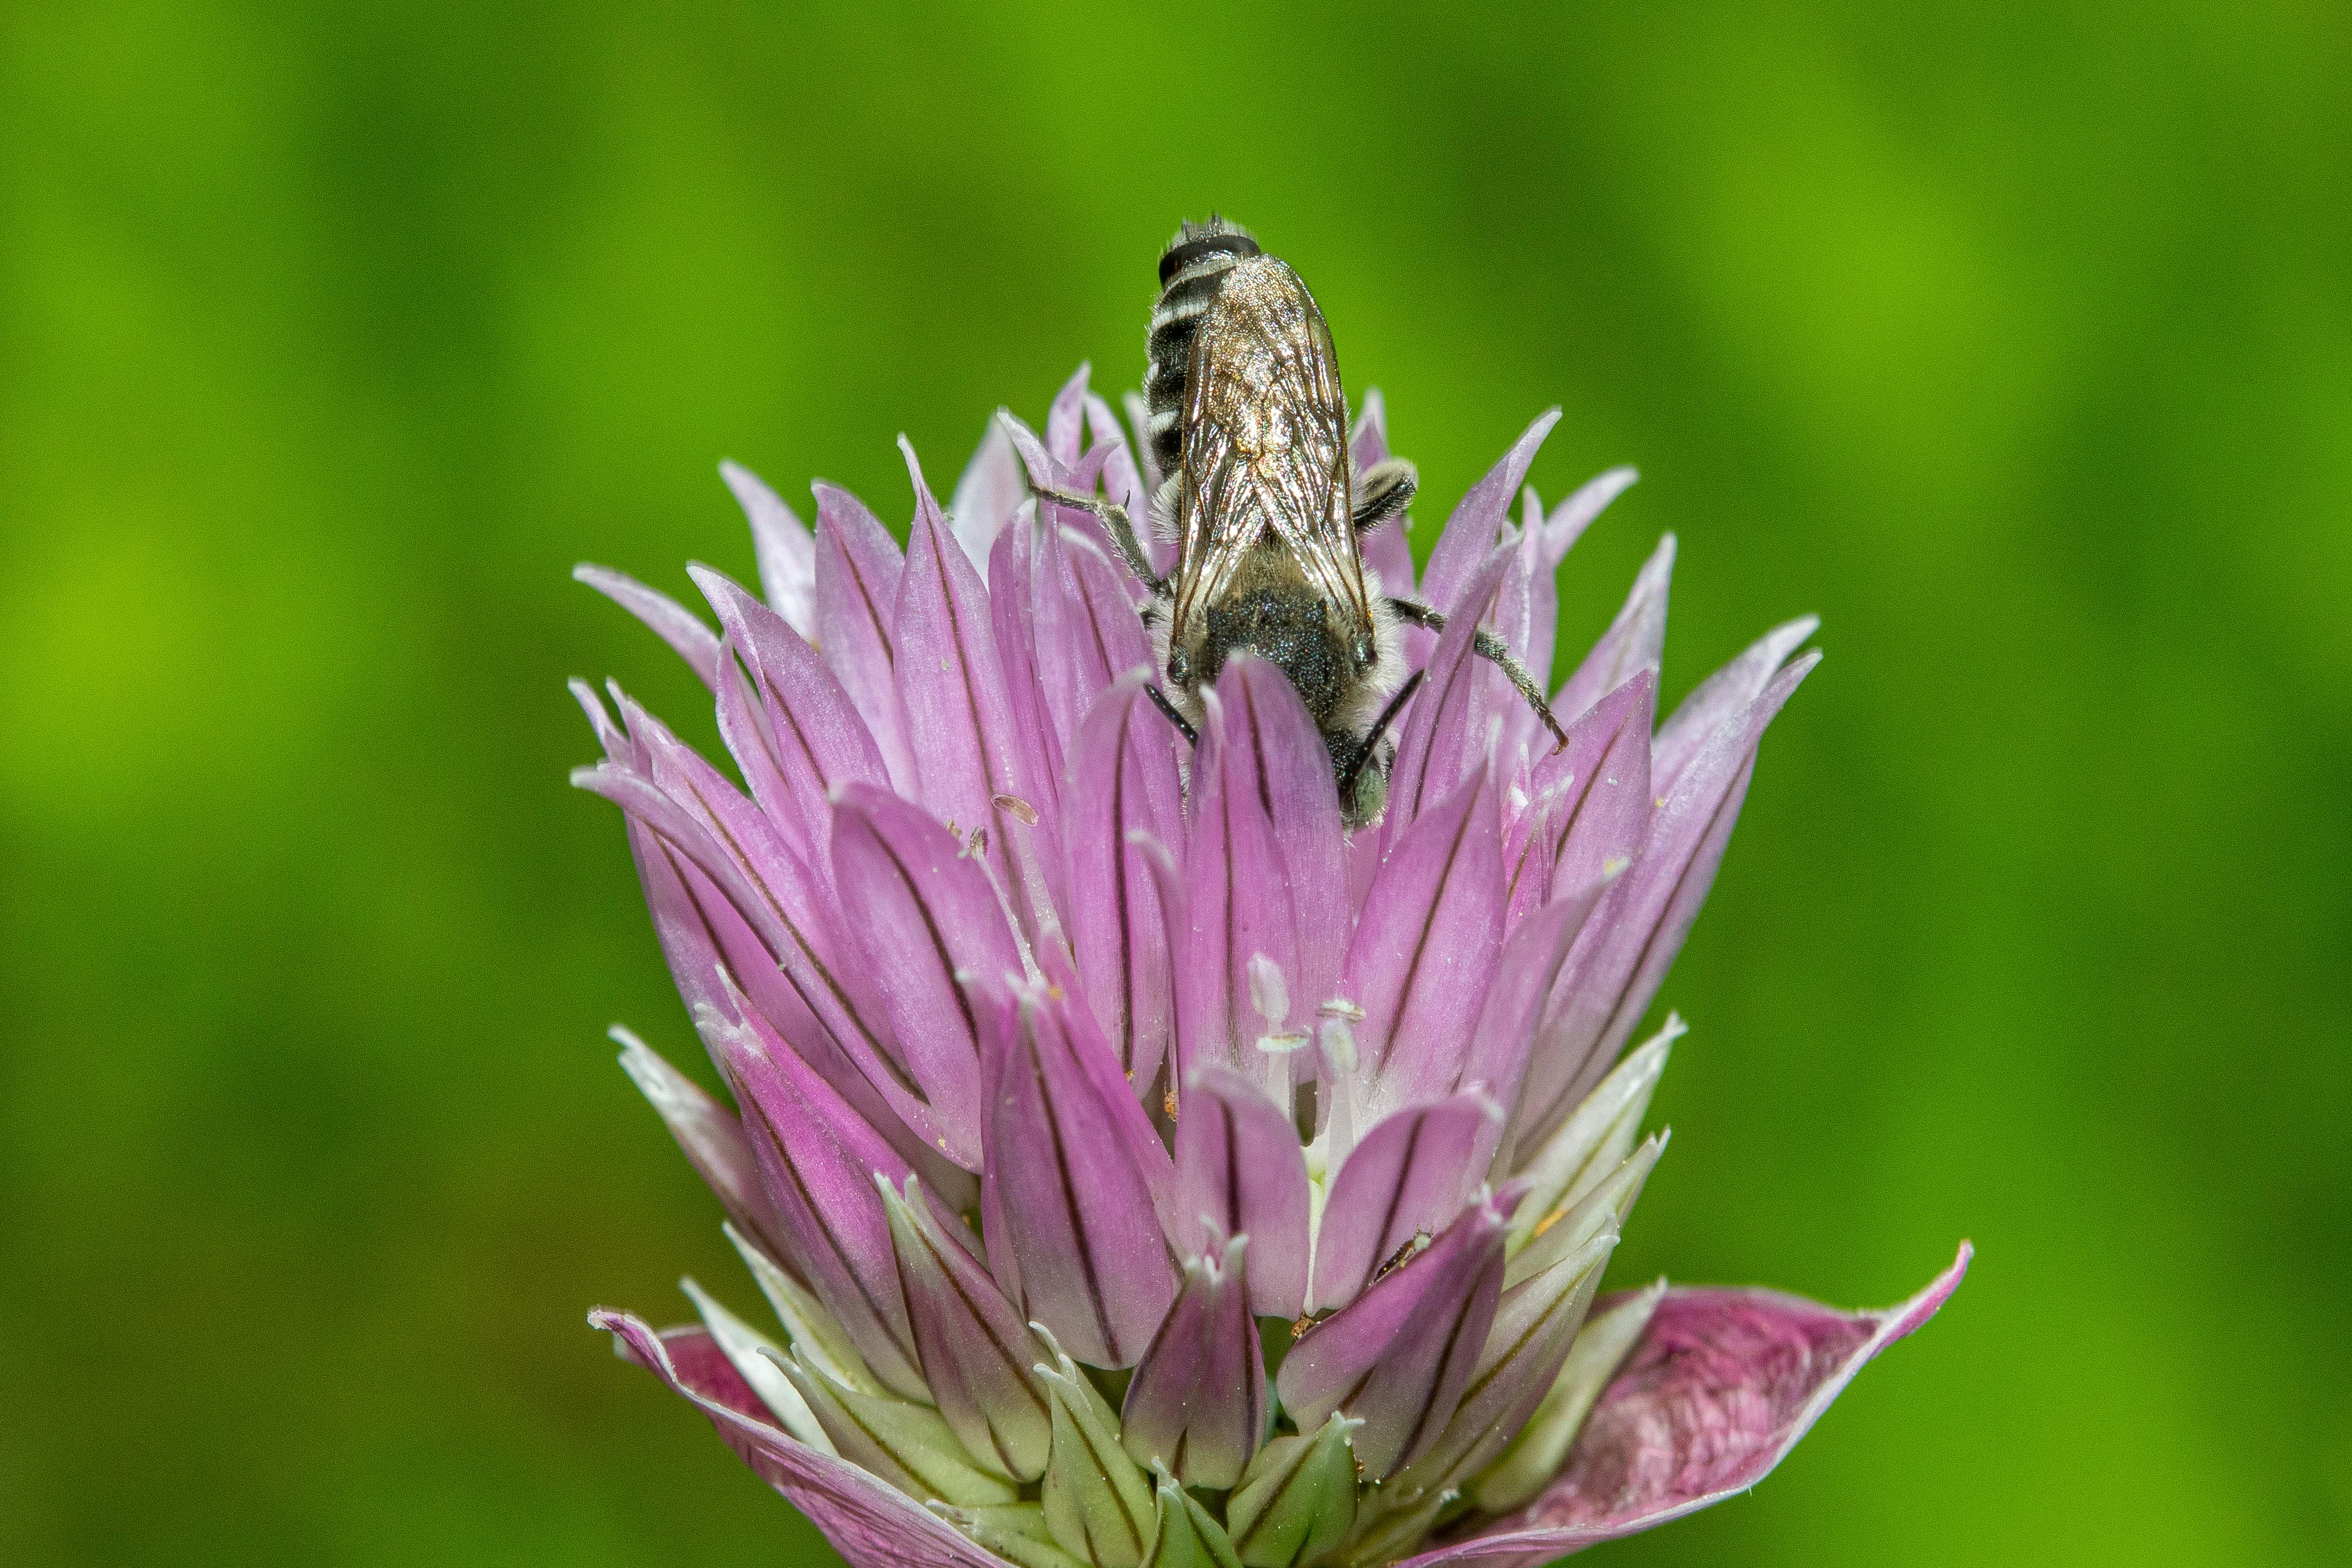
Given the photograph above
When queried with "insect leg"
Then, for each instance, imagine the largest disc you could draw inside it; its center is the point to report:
(1183, 726)
(1115, 518)
(1372, 736)
(1383, 491)
(1489, 646)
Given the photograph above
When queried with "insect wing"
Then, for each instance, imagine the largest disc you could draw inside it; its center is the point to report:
(1265, 427)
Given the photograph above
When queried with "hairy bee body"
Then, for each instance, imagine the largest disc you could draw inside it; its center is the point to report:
(1249, 423)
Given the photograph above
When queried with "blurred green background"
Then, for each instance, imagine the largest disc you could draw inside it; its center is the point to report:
(2015, 341)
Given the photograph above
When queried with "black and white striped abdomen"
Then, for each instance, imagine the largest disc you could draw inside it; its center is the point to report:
(1192, 270)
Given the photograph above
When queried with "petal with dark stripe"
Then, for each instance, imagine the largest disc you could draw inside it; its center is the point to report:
(857, 571)
(1423, 951)
(1444, 730)
(1636, 640)
(1593, 795)
(1477, 525)
(1068, 1158)
(1123, 802)
(925, 914)
(1402, 1184)
(1196, 1406)
(1240, 1172)
(1398, 1356)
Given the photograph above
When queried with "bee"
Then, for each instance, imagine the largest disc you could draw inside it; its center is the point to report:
(1249, 424)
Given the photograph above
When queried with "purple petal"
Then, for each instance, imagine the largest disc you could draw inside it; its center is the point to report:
(857, 572)
(1069, 1170)
(782, 546)
(1423, 951)
(991, 490)
(710, 1133)
(1037, 742)
(818, 1160)
(1122, 481)
(868, 1522)
(1446, 731)
(1635, 640)
(1595, 793)
(673, 623)
(1398, 1356)
(1122, 803)
(1196, 1406)
(1722, 694)
(1240, 1172)
(977, 1350)
(1617, 964)
(1237, 907)
(1477, 525)
(1271, 743)
(958, 715)
(1138, 420)
(814, 742)
(1386, 550)
(1404, 1181)
(1504, 1037)
(1721, 1385)
(1097, 635)
(1066, 420)
(1560, 530)
(925, 914)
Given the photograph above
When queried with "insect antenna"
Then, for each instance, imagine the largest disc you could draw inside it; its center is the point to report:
(1183, 726)
(1373, 737)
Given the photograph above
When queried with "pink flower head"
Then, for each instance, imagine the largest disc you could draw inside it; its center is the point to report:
(1136, 1162)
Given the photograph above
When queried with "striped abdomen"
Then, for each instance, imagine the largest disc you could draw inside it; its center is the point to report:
(1192, 270)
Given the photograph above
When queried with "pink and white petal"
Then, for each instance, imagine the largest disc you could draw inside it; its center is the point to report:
(782, 547)
(708, 1134)
(1720, 1386)
(870, 1523)
(1635, 640)
(990, 491)
(1036, 740)
(673, 623)
(857, 571)
(1475, 528)
(1722, 694)
(1271, 740)
(1066, 419)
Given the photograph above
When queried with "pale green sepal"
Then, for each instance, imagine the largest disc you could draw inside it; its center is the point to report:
(750, 1353)
(1596, 1137)
(910, 1446)
(1188, 1537)
(1098, 1504)
(1534, 1457)
(1394, 1535)
(1297, 1499)
(1604, 1206)
(807, 1324)
(1015, 1531)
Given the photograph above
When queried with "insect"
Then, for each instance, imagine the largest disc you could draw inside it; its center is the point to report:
(1249, 424)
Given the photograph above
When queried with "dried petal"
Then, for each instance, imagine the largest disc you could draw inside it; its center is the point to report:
(1722, 1385)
